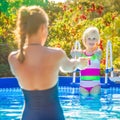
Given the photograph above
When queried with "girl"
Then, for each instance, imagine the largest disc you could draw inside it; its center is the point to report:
(90, 77)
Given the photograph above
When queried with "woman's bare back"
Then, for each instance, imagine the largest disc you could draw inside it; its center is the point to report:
(40, 68)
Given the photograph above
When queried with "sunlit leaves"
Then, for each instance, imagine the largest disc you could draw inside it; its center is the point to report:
(67, 24)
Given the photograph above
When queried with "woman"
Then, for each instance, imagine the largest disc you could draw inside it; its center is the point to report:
(36, 67)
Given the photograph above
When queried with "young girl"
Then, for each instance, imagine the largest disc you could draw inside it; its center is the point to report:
(90, 77)
(36, 66)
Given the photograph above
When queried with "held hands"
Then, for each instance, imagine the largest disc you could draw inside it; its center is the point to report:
(83, 62)
(75, 53)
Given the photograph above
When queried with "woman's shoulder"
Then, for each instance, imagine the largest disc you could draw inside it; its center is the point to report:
(56, 50)
(12, 55)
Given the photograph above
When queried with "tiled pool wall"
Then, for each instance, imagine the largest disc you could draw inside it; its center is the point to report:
(11, 82)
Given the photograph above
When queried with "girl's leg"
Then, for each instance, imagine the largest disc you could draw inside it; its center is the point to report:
(95, 91)
(83, 92)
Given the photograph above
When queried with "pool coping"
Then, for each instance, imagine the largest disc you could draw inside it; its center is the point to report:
(11, 82)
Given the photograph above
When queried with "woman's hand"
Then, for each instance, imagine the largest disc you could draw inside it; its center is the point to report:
(83, 62)
(75, 53)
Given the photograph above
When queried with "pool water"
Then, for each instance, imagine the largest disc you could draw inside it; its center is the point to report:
(107, 107)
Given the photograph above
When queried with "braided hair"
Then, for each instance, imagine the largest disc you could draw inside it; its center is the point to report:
(28, 22)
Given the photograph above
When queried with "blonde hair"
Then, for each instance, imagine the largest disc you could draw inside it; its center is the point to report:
(90, 30)
(28, 22)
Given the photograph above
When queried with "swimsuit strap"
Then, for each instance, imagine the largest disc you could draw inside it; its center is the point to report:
(92, 57)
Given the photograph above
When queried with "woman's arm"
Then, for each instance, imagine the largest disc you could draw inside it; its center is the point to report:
(70, 65)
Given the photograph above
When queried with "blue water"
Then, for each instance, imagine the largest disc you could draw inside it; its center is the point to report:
(107, 107)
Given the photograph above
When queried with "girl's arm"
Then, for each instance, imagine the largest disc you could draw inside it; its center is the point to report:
(99, 53)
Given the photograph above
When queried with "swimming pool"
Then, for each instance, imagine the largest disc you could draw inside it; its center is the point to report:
(75, 108)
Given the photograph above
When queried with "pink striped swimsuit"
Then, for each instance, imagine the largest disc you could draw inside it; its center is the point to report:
(90, 77)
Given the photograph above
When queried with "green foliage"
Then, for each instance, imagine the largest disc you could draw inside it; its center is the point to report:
(75, 17)
(3, 6)
(67, 24)
(8, 11)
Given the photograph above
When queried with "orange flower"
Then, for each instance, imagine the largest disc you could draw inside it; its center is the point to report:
(58, 45)
(103, 61)
(101, 45)
(93, 7)
(64, 7)
(83, 17)
(79, 7)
